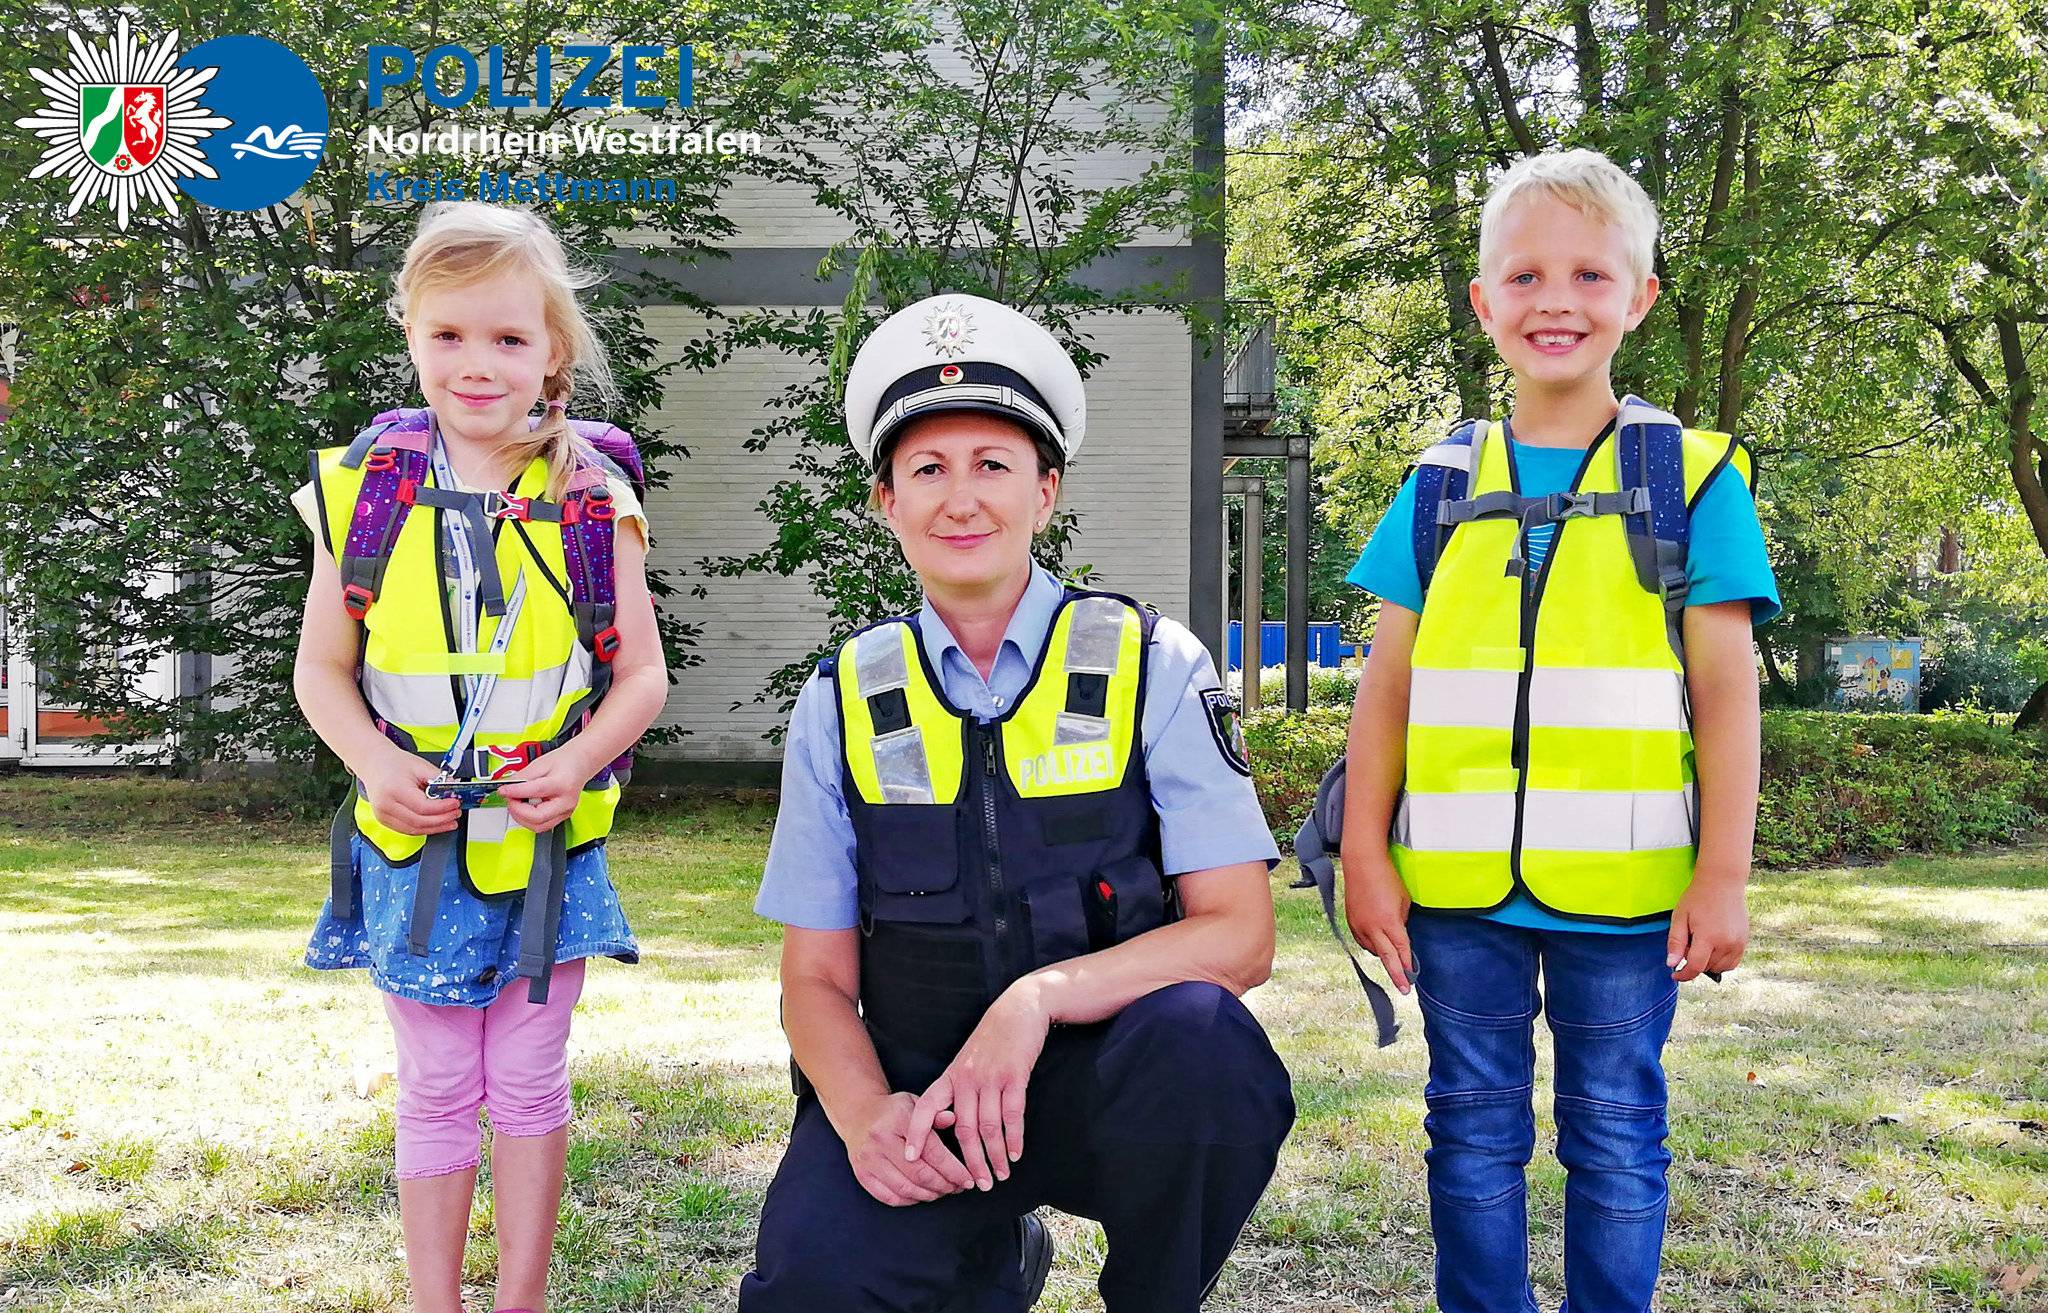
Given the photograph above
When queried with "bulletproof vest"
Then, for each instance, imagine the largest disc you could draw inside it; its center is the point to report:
(988, 850)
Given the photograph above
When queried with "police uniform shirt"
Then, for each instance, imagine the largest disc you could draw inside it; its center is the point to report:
(1208, 812)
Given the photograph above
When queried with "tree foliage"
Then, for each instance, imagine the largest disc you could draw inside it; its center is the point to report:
(1851, 258)
(972, 163)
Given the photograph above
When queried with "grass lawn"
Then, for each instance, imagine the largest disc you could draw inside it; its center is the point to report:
(1858, 1113)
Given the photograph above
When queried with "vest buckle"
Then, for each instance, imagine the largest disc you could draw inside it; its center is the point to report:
(1570, 505)
(517, 757)
(503, 506)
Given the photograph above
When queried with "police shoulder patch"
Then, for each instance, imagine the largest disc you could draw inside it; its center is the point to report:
(1228, 729)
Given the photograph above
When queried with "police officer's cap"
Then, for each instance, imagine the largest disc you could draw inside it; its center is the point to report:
(957, 352)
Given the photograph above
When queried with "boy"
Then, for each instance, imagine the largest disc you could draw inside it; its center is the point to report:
(1553, 754)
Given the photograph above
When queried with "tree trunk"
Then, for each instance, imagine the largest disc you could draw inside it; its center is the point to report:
(2034, 715)
(1586, 55)
(1735, 333)
(1447, 236)
(1772, 673)
(2029, 463)
(1694, 299)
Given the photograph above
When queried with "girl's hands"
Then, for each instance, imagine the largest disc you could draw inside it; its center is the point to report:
(983, 1089)
(396, 786)
(548, 789)
(875, 1151)
(1376, 906)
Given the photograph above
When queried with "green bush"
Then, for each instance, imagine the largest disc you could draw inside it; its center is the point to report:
(1327, 686)
(1836, 786)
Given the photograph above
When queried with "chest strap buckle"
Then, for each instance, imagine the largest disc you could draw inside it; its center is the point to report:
(503, 506)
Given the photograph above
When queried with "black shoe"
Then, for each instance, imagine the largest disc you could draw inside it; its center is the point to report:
(1303, 881)
(1034, 1246)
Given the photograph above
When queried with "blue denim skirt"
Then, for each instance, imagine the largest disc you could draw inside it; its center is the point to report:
(476, 940)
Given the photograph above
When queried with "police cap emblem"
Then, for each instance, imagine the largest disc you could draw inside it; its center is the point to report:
(949, 328)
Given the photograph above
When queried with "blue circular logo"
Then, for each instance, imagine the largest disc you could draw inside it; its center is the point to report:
(278, 118)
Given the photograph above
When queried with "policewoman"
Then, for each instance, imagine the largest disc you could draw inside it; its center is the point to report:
(1023, 876)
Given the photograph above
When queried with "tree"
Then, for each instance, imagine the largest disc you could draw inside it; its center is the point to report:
(964, 169)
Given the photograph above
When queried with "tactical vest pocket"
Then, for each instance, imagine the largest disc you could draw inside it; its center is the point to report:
(910, 859)
(1124, 899)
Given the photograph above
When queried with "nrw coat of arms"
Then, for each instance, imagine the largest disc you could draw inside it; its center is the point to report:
(123, 123)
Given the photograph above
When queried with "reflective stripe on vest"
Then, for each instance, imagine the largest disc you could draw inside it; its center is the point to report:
(411, 672)
(1549, 733)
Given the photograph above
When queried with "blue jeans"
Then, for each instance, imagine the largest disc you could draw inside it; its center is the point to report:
(1610, 1000)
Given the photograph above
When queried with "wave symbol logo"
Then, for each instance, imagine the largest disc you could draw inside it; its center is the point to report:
(286, 143)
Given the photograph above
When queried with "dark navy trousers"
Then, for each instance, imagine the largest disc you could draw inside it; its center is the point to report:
(1162, 1123)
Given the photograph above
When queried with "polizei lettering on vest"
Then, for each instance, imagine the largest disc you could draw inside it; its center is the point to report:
(1075, 763)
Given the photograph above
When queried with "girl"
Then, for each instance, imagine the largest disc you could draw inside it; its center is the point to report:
(461, 623)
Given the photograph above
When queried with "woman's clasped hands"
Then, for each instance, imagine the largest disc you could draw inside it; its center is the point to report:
(981, 1093)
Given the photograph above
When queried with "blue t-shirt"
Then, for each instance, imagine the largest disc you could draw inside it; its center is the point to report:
(1726, 562)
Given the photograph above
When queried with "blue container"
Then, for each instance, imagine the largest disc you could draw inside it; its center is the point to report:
(1872, 673)
(1326, 645)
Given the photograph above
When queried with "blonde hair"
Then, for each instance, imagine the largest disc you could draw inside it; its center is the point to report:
(1587, 181)
(464, 242)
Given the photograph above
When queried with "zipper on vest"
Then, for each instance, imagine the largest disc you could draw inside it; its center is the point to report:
(990, 853)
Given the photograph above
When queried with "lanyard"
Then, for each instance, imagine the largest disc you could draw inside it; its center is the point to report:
(477, 689)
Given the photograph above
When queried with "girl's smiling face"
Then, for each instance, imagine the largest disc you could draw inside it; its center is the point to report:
(1558, 292)
(482, 350)
(964, 499)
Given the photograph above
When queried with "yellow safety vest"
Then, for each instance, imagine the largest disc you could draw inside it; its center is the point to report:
(410, 672)
(1050, 747)
(1549, 730)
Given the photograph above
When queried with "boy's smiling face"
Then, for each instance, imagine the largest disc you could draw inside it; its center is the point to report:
(1557, 293)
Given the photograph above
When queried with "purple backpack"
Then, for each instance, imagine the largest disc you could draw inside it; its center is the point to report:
(392, 452)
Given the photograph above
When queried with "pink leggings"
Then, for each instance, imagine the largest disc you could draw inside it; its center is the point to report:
(512, 1057)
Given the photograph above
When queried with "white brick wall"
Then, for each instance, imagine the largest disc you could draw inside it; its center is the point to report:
(1130, 488)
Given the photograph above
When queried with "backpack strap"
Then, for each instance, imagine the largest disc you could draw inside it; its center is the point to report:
(589, 546)
(392, 453)
(1442, 474)
(1316, 847)
(1649, 447)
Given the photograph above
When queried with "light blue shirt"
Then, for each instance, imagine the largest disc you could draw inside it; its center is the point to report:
(1209, 814)
(1725, 562)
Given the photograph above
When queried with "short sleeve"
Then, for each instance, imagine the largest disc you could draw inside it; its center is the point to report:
(306, 501)
(1386, 568)
(808, 880)
(626, 504)
(1727, 561)
(1209, 813)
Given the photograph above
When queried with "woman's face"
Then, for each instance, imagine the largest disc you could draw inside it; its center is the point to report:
(966, 497)
(482, 351)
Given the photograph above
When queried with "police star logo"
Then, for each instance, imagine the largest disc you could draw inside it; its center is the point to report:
(122, 124)
(949, 328)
